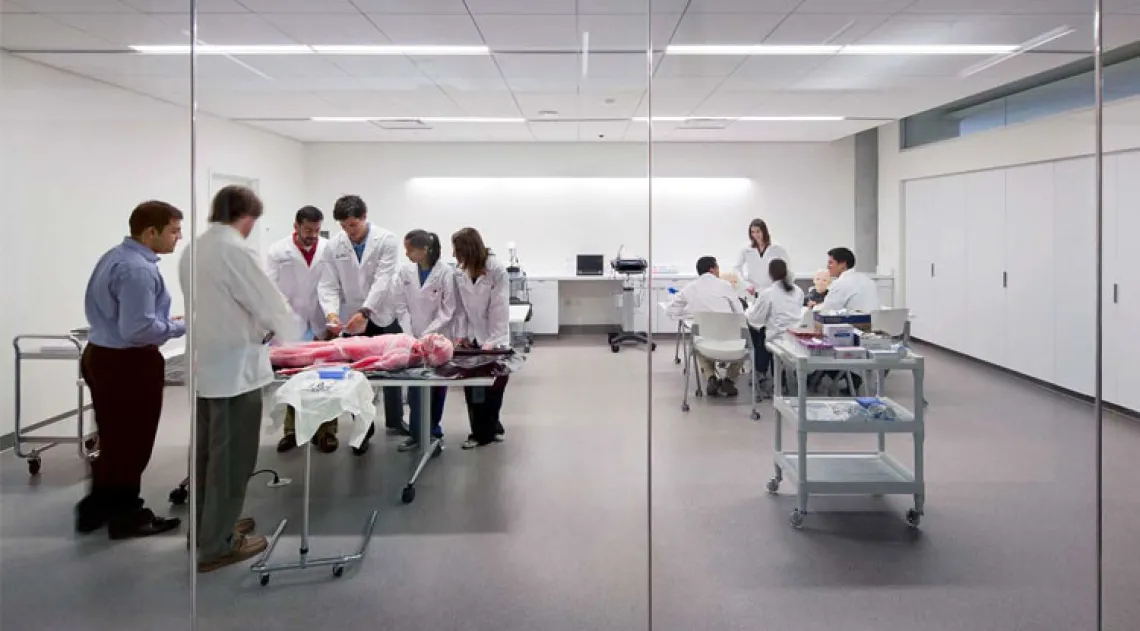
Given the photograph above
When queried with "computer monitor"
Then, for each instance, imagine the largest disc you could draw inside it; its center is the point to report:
(591, 264)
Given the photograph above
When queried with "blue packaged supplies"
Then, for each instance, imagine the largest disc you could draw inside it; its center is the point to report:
(333, 372)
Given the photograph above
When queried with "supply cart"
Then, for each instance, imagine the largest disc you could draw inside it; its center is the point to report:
(67, 348)
(845, 472)
(520, 308)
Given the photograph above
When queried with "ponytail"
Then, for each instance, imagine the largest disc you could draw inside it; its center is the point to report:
(426, 240)
(778, 270)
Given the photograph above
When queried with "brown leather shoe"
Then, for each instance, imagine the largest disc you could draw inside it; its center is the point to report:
(244, 547)
(245, 526)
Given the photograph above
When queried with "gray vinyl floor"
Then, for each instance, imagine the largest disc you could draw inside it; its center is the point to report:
(548, 531)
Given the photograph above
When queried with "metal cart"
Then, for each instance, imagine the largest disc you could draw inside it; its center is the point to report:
(845, 472)
(58, 348)
(520, 297)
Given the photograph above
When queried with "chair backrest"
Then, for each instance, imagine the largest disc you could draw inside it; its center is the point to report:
(890, 321)
(720, 326)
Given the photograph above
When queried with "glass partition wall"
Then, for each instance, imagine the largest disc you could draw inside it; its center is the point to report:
(459, 158)
(95, 183)
(970, 500)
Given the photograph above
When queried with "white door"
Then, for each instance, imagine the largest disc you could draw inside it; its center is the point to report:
(1114, 327)
(919, 262)
(544, 307)
(218, 181)
(1074, 273)
(985, 265)
(949, 224)
(1030, 293)
(1128, 303)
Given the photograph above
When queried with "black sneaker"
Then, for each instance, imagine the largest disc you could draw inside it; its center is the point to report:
(728, 388)
(400, 430)
(713, 387)
(288, 442)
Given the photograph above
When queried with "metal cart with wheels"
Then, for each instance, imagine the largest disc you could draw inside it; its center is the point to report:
(520, 298)
(59, 348)
(628, 301)
(845, 472)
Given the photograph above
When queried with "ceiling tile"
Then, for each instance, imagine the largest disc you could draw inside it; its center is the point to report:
(30, 31)
(532, 103)
(551, 131)
(628, 32)
(433, 7)
(1023, 7)
(630, 7)
(307, 131)
(10, 6)
(263, 104)
(761, 67)
(632, 66)
(376, 66)
(743, 6)
(475, 67)
(481, 103)
(183, 6)
(686, 66)
(521, 7)
(290, 67)
(79, 6)
(853, 7)
(529, 32)
(603, 131)
(327, 29)
(697, 28)
(243, 29)
(455, 30)
(494, 86)
(129, 29)
(300, 6)
(821, 28)
(609, 104)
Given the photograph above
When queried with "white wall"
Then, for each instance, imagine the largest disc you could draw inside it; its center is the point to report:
(559, 200)
(1046, 139)
(77, 156)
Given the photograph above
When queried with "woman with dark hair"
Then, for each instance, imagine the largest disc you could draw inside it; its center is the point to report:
(777, 308)
(481, 321)
(423, 295)
(752, 265)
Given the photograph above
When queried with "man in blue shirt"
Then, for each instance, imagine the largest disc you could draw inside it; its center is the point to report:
(128, 309)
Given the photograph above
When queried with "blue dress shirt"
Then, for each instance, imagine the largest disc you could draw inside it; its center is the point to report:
(127, 303)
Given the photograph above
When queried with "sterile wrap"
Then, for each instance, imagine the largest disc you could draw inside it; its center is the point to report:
(316, 401)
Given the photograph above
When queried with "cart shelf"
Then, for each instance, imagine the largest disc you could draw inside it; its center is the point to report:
(850, 473)
(904, 422)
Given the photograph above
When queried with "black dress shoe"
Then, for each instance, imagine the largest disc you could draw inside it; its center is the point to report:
(400, 430)
(141, 523)
(87, 518)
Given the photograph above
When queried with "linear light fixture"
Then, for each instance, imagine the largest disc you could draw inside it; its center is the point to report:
(854, 49)
(402, 50)
(1026, 46)
(746, 119)
(208, 49)
(422, 119)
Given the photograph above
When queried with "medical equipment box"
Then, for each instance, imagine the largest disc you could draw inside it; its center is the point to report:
(850, 352)
(861, 321)
(839, 334)
(817, 347)
(333, 372)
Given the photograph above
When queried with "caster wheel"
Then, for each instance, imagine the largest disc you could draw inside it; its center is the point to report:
(653, 346)
(614, 348)
(338, 571)
(408, 495)
(179, 496)
(755, 415)
(684, 407)
(264, 580)
(676, 360)
(773, 486)
(90, 443)
(34, 466)
(914, 518)
(797, 519)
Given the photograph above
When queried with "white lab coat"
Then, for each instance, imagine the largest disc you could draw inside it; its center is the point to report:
(237, 306)
(752, 266)
(776, 310)
(709, 293)
(429, 308)
(482, 310)
(853, 291)
(297, 281)
(348, 285)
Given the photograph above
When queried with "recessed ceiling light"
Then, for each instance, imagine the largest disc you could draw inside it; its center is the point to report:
(855, 49)
(548, 113)
(424, 119)
(412, 50)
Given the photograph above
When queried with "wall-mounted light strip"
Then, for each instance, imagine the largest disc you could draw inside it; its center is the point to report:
(184, 49)
(413, 119)
(744, 119)
(885, 49)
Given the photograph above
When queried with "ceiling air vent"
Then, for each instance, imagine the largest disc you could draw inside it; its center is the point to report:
(704, 123)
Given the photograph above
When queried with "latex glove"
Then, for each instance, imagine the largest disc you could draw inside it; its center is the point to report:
(356, 324)
(333, 324)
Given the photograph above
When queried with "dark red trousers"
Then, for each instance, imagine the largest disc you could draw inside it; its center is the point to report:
(126, 392)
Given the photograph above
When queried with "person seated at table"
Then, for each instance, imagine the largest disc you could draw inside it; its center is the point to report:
(820, 281)
(777, 308)
(849, 289)
(710, 293)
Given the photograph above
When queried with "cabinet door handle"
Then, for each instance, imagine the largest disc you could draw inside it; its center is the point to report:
(1115, 293)
(1004, 280)
(932, 270)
